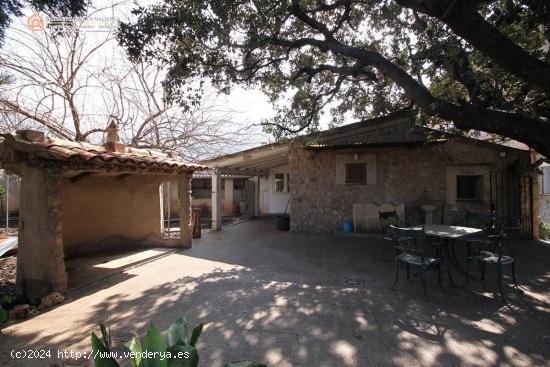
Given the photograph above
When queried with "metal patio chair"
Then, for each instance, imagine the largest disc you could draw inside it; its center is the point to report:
(484, 221)
(479, 220)
(411, 248)
(502, 254)
(388, 219)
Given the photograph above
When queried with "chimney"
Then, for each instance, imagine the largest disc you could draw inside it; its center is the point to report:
(32, 135)
(112, 143)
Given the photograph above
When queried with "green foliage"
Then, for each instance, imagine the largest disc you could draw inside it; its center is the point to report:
(106, 336)
(177, 332)
(180, 350)
(5, 300)
(134, 346)
(195, 334)
(2, 191)
(101, 354)
(3, 315)
(311, 58)
(544, 231)
(153, 342)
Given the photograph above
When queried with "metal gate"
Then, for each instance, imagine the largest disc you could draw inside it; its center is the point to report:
(512, 198)
(527, 207)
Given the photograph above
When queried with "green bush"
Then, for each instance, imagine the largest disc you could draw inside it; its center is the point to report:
(544, 231)
(3, 315)
(153, 352)
(4, 300)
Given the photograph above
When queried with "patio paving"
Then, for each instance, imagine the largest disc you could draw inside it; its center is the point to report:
(291, 299)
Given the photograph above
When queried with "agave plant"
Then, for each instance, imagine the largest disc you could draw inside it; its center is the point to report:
(180, 350)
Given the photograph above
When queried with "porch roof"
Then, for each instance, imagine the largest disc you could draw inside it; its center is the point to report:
(393, 130)
(251, 162)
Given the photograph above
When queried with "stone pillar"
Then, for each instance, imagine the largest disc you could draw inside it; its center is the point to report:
(161, 208)
(40, 258)
(216, 200)
(184, 196)
(227, 207)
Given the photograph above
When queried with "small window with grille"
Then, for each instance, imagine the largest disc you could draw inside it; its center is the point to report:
(356, 173)
(279, 182)
(469, 188)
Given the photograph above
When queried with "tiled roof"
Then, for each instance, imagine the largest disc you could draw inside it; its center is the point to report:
(97, 155)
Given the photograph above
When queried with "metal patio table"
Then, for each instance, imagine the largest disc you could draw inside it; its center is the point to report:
(447, 234)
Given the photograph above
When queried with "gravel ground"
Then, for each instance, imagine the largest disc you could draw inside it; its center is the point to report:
(11, 232)
(8, 266)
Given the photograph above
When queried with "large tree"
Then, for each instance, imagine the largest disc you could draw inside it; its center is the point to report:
(480, 64)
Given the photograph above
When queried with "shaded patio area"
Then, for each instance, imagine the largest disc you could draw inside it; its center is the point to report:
(290, 299)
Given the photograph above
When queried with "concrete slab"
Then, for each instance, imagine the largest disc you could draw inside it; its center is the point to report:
(280, 298)
(83, 271)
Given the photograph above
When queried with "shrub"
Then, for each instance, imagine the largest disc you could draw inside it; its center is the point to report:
(153, 352)
(5, 300)
(544, 231)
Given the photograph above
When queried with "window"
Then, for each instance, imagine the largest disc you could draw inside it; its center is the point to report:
(546, 180)
(201, 183)
(279, 181)
(201, 188)
(238, 183)
(469, 188)
(356, 173)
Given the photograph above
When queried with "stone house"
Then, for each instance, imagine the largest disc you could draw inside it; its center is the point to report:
(78, 198)
(351, 172)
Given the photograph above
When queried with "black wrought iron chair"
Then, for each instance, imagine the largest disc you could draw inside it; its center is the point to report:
(388, 219)
(480, 220)
(411, 248)
(502, 254)
(484, 221)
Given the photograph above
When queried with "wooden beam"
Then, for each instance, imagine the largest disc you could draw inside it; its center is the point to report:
(243, 172)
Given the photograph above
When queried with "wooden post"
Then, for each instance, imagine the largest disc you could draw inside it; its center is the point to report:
(196, 223)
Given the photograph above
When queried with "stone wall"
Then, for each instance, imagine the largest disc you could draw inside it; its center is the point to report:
(40, 264)
(409, 175)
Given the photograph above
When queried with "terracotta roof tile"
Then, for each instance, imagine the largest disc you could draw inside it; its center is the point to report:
(69, 151)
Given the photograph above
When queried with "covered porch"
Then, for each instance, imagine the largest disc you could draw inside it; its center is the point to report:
(266, 185)
(79, 199)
